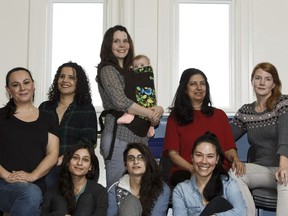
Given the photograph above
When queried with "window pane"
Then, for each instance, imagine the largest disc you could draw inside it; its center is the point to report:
(204, 43)
(77, 37)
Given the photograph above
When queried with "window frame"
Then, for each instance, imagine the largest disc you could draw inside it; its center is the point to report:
(232, 51)
(165, 55)
(91, 78)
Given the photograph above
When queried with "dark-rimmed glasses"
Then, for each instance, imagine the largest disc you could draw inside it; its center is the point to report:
(132, 158)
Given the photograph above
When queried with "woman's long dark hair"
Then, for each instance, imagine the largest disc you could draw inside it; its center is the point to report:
(151, 181)
(82, 92)
(10, 107)
(181, 108)
(214, 186)
(106, 55)
(66, 187)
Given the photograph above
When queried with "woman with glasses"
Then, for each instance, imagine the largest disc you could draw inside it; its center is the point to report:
(140, 191)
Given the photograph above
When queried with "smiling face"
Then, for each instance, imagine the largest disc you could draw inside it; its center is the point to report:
(135, 162)
(21, 86)
(262, 83)
(120, 46)
(196, 88)
(67, 81)
(80, 163)
(204, 159)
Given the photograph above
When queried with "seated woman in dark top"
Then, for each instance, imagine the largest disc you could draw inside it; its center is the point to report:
(77, 192)
(28, 147)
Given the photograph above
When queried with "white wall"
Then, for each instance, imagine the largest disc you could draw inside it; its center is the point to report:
(270, 35)
(14, 28)
(260, 31)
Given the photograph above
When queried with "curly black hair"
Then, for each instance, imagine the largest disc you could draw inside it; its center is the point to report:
(82, 92)
(151, 181)
(181, 108)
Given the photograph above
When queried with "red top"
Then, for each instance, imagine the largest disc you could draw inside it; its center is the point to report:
(182, 138)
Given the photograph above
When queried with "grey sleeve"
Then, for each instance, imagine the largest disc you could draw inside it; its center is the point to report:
(283, 135)
(113, 85)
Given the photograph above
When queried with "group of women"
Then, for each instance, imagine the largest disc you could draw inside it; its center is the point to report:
(57, 140)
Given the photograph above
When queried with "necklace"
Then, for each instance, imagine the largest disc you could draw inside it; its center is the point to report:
(62, 106)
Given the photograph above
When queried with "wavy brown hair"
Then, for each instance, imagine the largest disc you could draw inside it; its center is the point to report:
(276, 91)
(106, 55)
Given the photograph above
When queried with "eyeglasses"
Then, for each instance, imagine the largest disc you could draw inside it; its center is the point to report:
(132, 158)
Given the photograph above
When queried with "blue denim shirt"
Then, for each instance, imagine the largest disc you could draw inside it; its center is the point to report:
(187, 200)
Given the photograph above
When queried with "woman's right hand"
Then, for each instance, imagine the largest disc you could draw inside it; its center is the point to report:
(178, 160)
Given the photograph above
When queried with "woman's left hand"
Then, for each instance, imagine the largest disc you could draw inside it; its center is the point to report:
(157, 113)
(282, 173)
(239, 167)
(21, 176)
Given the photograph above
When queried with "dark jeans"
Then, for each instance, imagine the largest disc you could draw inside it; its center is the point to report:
(20, 198)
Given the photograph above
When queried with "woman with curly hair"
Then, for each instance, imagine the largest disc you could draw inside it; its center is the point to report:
(140, 191)
(70, 103)
(77, 193)
(192, 114)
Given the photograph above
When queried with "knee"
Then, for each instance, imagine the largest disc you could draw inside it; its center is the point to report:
(282, 188)
(31, 194)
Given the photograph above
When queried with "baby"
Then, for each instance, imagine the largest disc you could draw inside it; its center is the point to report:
(143, 87)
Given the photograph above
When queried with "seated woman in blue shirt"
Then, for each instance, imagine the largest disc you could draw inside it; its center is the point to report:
(210, 189)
